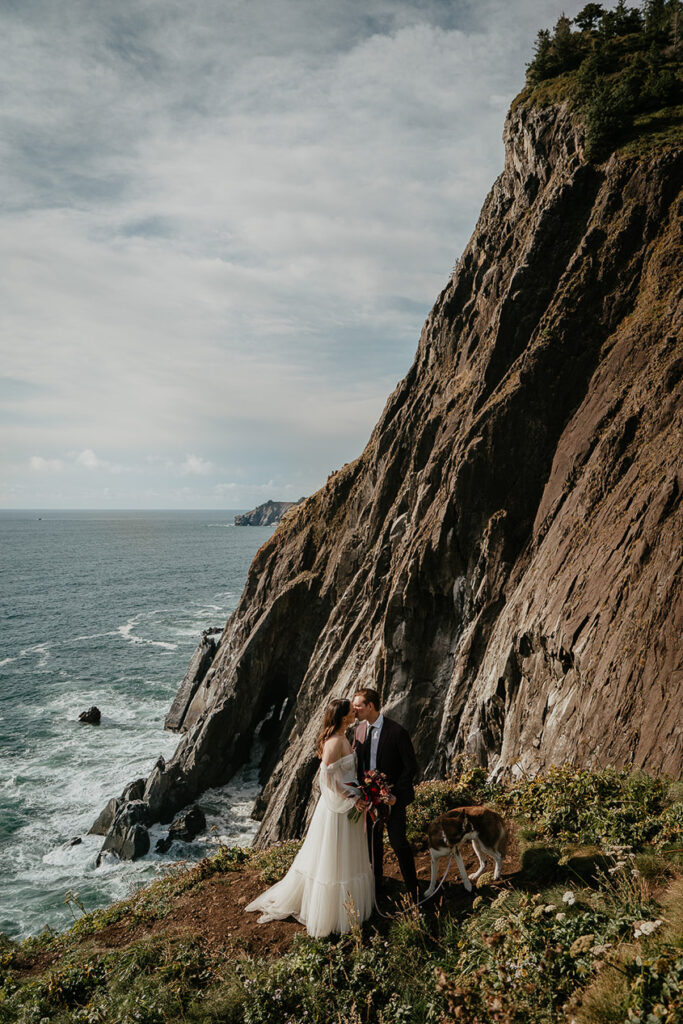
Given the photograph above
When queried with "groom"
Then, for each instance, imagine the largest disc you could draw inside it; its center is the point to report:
(384, 745)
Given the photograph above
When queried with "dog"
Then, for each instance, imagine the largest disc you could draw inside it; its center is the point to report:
(483, 826)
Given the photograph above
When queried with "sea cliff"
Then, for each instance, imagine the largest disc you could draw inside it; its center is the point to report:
(502, 562)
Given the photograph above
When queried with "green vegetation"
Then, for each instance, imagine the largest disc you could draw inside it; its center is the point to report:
(618, 69)
(588, 927)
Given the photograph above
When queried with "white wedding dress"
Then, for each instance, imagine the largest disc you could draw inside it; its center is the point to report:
(331, 876)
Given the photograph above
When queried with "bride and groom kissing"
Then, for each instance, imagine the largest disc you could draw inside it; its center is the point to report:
(338, 872)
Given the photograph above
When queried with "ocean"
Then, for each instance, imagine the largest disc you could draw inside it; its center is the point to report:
(102, 608)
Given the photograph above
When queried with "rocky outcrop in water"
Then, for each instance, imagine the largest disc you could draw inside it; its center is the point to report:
(127, 836)
(503, 561)
(181, 715)
(268, 514)
(93, 716)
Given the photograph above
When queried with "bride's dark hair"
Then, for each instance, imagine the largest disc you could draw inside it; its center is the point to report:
(335, 712)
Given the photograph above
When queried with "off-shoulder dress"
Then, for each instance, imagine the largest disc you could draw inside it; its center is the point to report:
(330, 881)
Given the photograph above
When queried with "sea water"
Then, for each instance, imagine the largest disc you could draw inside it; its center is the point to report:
(102, 608)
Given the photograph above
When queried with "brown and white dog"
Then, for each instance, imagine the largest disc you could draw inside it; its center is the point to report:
(483, 826)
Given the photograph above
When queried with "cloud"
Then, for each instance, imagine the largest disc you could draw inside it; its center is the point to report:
(41, 465)
(88, 459)
(194, 465)
(225, 225)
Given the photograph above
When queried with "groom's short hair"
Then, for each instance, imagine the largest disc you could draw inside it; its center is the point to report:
(369, 696)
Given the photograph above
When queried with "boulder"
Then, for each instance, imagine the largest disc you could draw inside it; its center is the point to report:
(185, 827)
(92, 716)
(128, 837)
(188, 824)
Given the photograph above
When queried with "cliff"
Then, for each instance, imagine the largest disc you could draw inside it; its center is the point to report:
(503, 560)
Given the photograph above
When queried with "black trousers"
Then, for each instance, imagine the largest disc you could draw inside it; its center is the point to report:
(396, 830)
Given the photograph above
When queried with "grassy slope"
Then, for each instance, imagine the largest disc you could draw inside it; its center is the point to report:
(594, 854)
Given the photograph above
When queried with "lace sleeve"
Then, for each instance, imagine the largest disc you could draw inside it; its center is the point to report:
(339, 796)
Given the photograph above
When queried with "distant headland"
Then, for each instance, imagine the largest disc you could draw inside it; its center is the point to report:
(268, 514)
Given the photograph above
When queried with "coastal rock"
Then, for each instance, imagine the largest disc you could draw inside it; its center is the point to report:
(268, 514)
(133, 791)
(180, 717)
(188, 825)
(185, 827)
(105, 818)
(128, 837)
(503, 561)
(92, 716)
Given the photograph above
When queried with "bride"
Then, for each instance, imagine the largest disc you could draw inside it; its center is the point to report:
(330, 882)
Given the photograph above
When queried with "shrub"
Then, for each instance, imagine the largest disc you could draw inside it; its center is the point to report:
(432, 799)
(593, 807)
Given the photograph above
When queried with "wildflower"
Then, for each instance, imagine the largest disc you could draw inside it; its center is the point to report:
(560, 916)
(581, 945)
(635, 872)
(601, 948)
(549, 908)
(500, 924)
(645, 927)
(500, 899)
(569, 898)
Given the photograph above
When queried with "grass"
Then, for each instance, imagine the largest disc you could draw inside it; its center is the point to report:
(565, 940)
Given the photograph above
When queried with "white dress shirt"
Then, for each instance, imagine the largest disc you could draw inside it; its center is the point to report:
(375, 730)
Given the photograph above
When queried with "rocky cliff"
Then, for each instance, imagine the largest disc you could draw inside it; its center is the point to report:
(503, 560)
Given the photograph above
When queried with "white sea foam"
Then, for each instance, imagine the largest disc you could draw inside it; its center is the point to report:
(126, 633)
(42, 651)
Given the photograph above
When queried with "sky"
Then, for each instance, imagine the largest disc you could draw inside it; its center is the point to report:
(222, 226)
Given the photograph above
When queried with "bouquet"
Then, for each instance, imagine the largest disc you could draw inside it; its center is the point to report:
(375, 790)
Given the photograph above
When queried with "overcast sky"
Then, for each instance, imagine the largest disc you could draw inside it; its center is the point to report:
(223, 225)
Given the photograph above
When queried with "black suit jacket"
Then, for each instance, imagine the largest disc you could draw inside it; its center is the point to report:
(395, 757)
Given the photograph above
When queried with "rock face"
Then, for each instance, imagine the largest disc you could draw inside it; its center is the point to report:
(268, 514)
(181, 716)
(503, 561)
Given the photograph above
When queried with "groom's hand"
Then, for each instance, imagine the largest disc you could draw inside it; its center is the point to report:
(391, 800)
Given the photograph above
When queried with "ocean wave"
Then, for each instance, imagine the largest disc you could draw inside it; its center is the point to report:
(126, 633)
(92, 636)
(41, 650)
